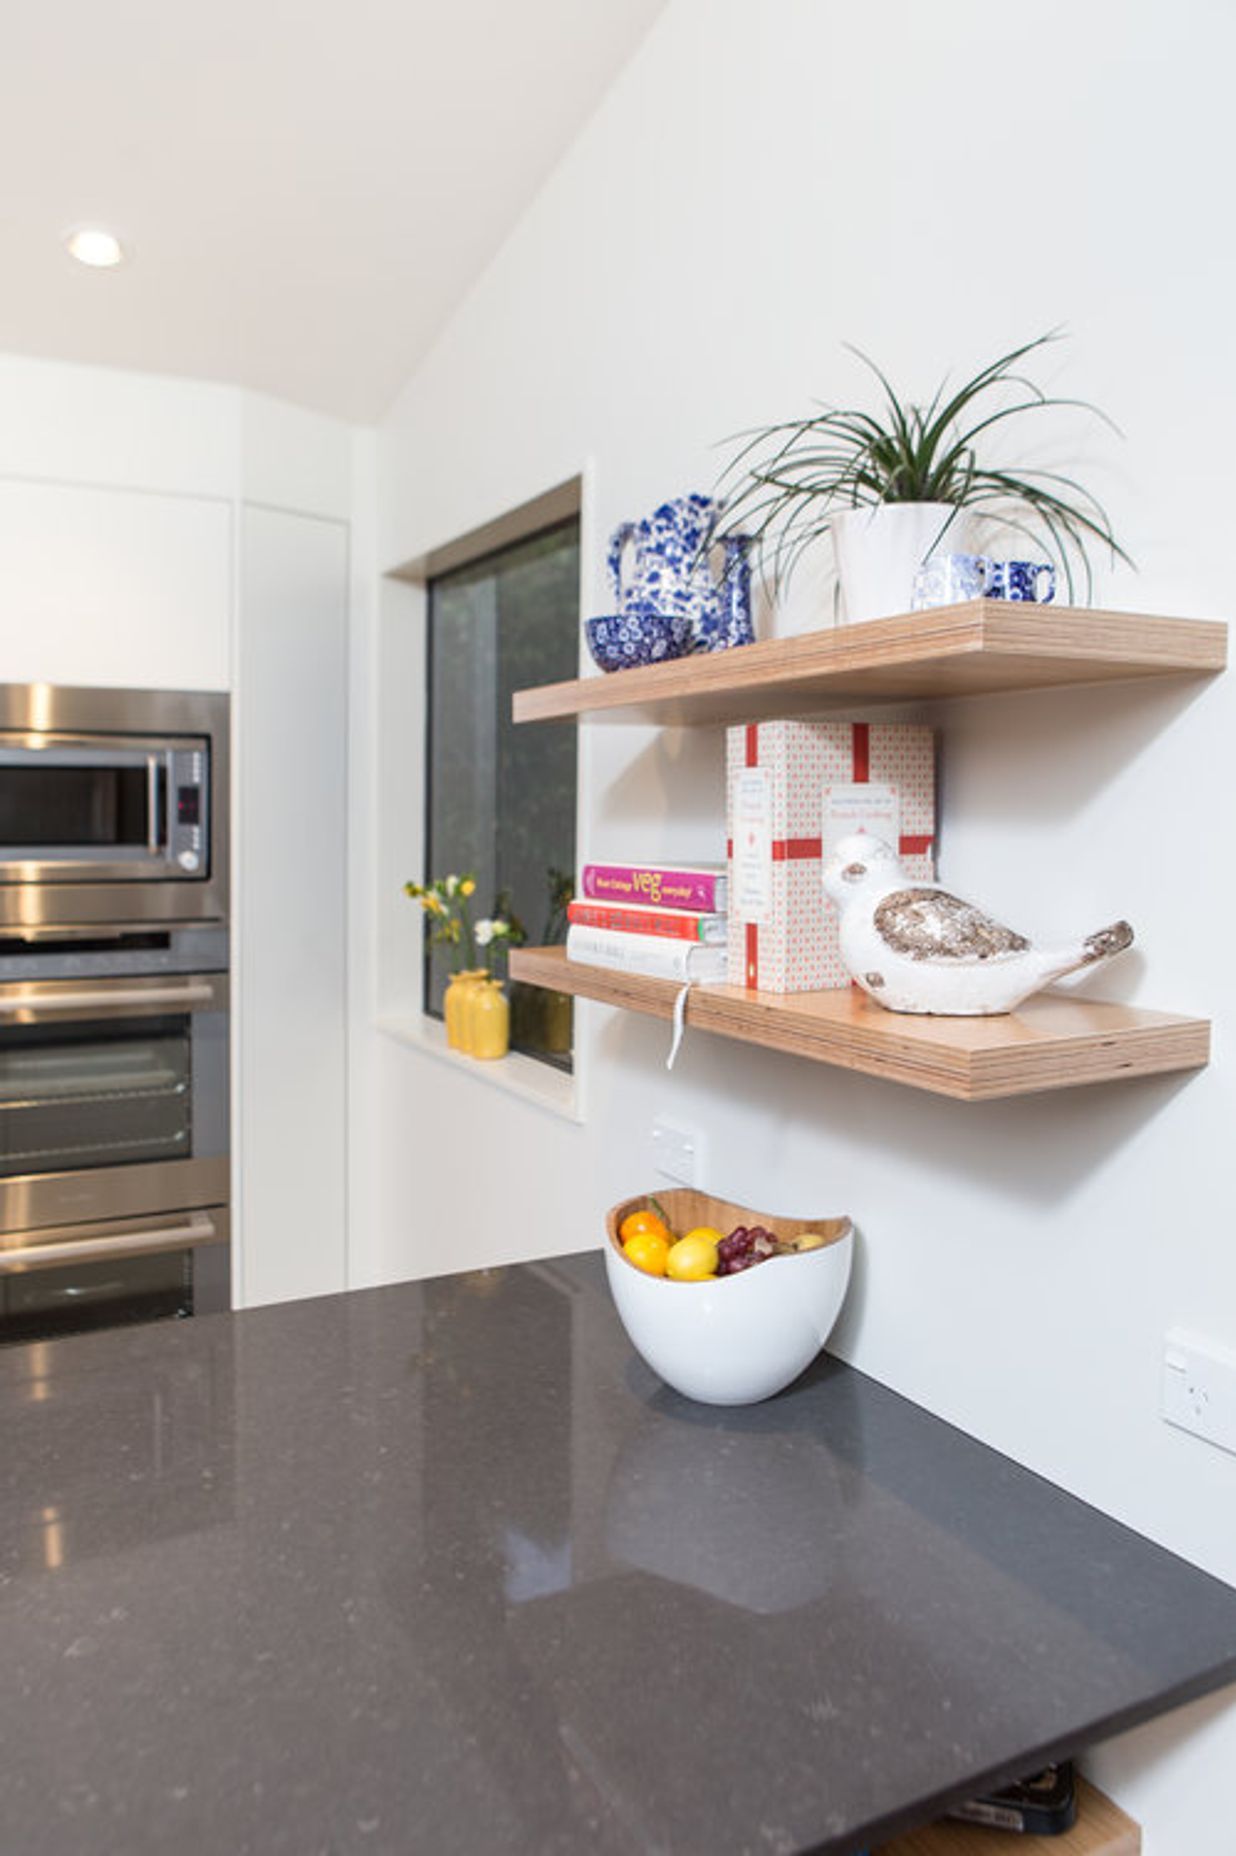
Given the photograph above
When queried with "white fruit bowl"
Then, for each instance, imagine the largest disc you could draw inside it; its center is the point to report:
(731, 1340)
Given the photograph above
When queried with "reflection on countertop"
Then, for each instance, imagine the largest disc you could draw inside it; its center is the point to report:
(443, 1566)
(99, 1461)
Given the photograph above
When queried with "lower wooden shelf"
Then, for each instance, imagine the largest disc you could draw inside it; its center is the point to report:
(1102, 1829)
(1054, 1041)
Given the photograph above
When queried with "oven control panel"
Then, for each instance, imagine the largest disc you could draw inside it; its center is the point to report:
(188, 805)
(144, 952)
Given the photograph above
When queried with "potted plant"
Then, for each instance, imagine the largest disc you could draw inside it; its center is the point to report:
(447, 905)
(888, 486)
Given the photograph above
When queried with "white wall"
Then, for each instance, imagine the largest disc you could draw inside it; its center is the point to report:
(169, 534)
(934, 183)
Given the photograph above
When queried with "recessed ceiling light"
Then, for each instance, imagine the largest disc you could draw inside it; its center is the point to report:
(94, 246)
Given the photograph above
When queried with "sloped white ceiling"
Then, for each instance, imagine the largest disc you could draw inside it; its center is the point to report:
(308, 186)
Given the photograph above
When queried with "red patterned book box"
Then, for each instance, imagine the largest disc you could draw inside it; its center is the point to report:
(793, 789)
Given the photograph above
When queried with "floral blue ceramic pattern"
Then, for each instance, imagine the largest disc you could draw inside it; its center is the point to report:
(945, 579)
(1019, 580)
(663, 565)
(620, 640)
(948, 579)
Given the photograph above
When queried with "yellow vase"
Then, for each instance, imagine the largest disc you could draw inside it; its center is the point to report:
(489, 1018)
(455, 1006)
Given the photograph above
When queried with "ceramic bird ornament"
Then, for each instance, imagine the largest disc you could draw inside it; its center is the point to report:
(915, 948)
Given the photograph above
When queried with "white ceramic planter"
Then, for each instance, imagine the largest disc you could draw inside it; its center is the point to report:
(879, 551)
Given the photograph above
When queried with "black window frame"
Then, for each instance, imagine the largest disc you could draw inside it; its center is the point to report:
(563, 1060)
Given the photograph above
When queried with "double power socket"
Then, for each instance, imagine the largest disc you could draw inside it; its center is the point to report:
(1199, 1387)
(677, 1153)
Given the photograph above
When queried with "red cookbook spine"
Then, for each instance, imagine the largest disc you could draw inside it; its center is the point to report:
(673, 924)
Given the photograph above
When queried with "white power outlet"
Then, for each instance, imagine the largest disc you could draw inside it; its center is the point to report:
(677, 1153)
(1199, 1387)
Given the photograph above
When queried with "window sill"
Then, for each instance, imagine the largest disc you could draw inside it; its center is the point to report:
(515, 1075)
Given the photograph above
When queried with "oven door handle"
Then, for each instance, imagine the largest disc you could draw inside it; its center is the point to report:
(109, 1001)
(200, 1228)
(154, 843)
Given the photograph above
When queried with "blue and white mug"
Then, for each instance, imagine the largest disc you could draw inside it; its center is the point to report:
(948, 579)
(1020, 580)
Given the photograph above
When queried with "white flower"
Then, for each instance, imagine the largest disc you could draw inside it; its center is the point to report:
(451, 885)
(484, 932)
(501, 929)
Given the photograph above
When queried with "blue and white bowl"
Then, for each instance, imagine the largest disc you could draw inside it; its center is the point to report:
(621, 640)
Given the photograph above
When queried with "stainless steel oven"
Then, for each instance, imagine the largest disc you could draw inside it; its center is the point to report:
(113, 1129)
(113, 806)
(114, 1000)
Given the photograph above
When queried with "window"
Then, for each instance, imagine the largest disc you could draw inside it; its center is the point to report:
(501, 799)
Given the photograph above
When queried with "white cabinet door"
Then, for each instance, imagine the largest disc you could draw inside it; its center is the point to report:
(121, 587)
(291, 745)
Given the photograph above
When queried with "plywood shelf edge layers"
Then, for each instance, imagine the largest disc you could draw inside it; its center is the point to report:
(984, 647)
(1102, 1829)
(1056, 1040)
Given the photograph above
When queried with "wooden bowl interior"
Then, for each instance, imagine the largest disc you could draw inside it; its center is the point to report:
(685, 1208)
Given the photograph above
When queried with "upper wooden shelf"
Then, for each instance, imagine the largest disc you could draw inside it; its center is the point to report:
(980, 648)
(1052, 1042)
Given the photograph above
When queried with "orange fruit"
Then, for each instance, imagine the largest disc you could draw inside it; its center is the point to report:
(647, 1250)
(636, 1222)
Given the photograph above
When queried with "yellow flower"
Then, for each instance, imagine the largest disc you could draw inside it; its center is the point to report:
(468, 886)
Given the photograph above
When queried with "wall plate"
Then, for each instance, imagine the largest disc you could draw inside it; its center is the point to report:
(677, 1153)
(1199, 1387)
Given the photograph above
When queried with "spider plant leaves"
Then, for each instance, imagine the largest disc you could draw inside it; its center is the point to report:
(991, 375)
(787, 481)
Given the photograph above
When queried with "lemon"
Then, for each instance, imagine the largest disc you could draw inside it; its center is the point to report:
(707, 1232)
(647, 1250)
(694, 1257)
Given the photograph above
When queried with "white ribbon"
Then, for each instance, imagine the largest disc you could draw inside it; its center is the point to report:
(680, 1015)
(680, 1023)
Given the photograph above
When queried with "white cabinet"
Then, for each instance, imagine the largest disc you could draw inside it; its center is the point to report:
(113, 586)
(147, 539)
(290, 906)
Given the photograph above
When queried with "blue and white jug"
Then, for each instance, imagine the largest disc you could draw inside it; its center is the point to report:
(664, 564)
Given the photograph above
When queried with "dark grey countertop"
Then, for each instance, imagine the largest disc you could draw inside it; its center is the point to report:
(443, 1568)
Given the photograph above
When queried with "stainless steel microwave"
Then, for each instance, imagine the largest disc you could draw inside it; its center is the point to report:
(113, 807)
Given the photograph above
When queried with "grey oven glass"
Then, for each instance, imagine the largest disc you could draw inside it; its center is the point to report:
(50, 1302)
(92, 1095)
(74, 806)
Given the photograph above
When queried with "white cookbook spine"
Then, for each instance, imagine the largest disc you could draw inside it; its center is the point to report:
(652, 955)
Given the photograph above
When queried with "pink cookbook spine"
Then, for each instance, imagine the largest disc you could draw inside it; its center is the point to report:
(649, 883)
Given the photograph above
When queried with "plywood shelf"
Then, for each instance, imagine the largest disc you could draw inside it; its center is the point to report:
(1054, 1041)
(983, 647)
(1102, 1829)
